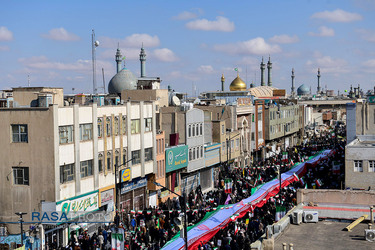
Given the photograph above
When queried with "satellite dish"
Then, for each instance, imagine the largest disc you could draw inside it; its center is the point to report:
(176, 101)
(96, 43)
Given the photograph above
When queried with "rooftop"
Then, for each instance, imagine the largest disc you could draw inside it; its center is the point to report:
(363, 141)
(324, 235)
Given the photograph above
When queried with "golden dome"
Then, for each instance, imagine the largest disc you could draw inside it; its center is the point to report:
(237, 84)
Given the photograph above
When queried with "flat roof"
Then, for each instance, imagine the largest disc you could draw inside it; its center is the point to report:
(324, 235)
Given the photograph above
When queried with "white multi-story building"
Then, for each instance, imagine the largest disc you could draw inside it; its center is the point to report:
(68, 154)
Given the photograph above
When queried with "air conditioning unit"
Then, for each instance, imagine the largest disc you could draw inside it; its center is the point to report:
(297, 217)
(370, 235)
(310, 216)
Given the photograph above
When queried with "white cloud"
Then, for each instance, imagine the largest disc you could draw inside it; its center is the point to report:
(220, 24)
(133, 41)
(256, 46)
(368, 35)
(61, 34)
(338, 15)
(323, 31)
(328, 64)
(206, 69)
(284, 39)
(42, 62)
(5, 34)
(4, 48)
(186, 15)
(164, 55)
(368, 66)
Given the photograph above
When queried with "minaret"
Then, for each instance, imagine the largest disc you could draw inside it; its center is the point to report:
(293, 92)
(118, 59)
(318, 90)
(222, 82)
(269, 67)
(262, 73)
(142, 58)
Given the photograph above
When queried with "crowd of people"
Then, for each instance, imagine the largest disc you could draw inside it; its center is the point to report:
(154, 227)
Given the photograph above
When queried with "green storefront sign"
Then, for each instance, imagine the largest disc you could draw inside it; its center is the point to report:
(176, 158)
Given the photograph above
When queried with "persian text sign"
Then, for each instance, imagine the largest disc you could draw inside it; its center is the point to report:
(129, 186)
(106, 197)
(82, 203)
(176, 158)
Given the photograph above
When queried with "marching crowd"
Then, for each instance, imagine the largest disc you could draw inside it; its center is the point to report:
(154, 227)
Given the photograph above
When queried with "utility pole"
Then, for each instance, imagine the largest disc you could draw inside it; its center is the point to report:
(183, 199)
(116, 186)
(20, 214)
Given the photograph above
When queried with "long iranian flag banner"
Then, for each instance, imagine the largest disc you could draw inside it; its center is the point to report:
(219, 219)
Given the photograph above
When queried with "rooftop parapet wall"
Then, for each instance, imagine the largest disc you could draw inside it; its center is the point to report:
(336, 196)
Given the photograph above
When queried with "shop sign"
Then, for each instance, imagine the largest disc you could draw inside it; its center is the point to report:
(129, 186)
(126, 175)
(83, 203)
(177, 158)
(106, 197)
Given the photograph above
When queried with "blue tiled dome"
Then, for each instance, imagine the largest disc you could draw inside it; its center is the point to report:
(123, 80)
(303, 90)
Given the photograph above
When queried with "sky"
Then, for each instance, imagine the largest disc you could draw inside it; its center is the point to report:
(189, 44)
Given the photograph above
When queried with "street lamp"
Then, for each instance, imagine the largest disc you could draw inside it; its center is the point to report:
(116, 186)
(183, 197)
(21, 221)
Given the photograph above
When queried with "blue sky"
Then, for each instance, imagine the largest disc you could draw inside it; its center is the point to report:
(189, 44)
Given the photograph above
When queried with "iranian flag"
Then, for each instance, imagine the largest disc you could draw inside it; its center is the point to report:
(285, 156)
(236, 228)
(319, 183)
(296, 176)
(228, 186)
(302, 181)
(280, 213)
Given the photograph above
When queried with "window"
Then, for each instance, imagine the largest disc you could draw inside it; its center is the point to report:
(198, 156)
(21, 175)
(223, 147)
(193, 129)
(86, 168)
(358, 166)
(117, 126)
(100, 164)
(371, 166)
(201, 151)
(193, 153)
(201, 129)
(136, 156)
(148, 124)
(66, 134)
(117, 161)
(85, 132)
(197, 127)
(123, 158)
(66, 173)
(148, 154)
(189, 131)
(237, 143)
(222, 129)
(135, 126)
(252, 136)
(100, 127)
(190, 155)
(19, 132)
(109, 126)
(109, 163)
(124, 125)
(259, 117)
(231, 145)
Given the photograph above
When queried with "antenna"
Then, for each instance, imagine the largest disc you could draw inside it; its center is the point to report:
(103, 80)
(94, 44)
(28, 80)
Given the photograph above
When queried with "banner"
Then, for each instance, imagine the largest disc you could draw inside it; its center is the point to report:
(280, 213)
(117, 237)
(219, 219)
